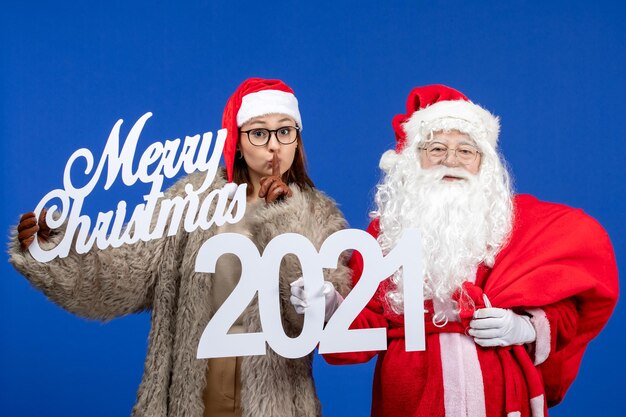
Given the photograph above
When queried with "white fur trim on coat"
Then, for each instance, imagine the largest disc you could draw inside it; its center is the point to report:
(543, 341)
(268, 102)
(537, 406)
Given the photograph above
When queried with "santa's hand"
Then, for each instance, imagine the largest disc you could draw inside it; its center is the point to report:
(29, 226)
(300, 300)
(273, 188)
(501, 327)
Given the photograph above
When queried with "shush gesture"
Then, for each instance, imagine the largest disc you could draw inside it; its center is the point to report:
(273, 188)
(30, 226)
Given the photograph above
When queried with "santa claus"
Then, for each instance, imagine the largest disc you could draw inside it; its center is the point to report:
(515, 288)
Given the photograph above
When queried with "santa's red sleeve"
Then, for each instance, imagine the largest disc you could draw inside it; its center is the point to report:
(370, 317)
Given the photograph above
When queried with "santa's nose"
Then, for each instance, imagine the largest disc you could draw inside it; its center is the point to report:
(450, 160)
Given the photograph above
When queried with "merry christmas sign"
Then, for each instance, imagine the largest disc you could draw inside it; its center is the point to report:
(200, 210)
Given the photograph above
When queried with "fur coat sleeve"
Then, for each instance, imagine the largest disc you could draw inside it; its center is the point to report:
(102, 284)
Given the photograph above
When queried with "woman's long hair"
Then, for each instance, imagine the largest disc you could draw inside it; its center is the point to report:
(296, 174)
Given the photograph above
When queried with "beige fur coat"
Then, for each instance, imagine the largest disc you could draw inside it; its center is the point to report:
(159, 276)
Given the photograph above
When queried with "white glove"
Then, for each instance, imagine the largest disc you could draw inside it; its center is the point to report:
(501, 327)
(299, 298)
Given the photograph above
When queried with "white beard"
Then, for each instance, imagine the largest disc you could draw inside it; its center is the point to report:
(463, 223)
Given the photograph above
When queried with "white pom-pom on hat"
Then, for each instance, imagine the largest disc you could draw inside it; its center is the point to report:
(388, 160)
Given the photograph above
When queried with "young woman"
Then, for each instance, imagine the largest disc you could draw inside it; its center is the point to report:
(263, 149)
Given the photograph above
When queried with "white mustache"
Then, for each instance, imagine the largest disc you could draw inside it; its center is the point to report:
(439, 172)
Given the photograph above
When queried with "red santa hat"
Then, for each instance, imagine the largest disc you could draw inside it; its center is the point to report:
(437, 107)
(253, 98)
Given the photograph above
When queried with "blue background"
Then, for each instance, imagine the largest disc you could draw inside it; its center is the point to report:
(553, 71)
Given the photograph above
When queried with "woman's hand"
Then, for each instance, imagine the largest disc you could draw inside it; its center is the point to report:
(29, 226)
(273, 188)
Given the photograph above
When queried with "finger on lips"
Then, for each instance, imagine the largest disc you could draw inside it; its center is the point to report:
(273, 188)
(275, 166)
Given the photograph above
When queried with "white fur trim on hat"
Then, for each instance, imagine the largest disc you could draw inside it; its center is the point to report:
(268, 102)
(461, 115)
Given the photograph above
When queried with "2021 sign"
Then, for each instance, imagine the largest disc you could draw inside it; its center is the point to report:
(260, 274)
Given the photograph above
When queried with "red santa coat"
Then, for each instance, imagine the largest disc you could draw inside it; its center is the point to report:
(558, 267)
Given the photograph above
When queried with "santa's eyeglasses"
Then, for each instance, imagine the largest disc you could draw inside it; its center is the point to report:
(438, 152)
